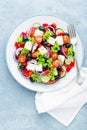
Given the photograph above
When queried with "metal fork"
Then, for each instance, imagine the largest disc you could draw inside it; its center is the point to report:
(72, 33)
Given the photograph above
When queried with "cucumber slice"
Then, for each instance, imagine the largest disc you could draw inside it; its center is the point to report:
(59, 30)
(45, 78)
(36, 25)
(68, 61)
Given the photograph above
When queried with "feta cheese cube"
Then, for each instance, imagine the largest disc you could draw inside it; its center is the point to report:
(42, 50)
(51, 40)
(30, 67)
(38, 67)
(38, 32)
(61, 57)
(28, 45)
(59, 40)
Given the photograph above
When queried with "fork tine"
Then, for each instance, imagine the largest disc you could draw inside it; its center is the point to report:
(71, 31)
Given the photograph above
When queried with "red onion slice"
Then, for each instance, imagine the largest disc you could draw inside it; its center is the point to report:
(34, 47)
(62, 49)
(32, 62)
(18, 51)
(49, 52)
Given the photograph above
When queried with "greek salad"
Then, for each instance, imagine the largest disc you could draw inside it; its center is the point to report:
(44, 53)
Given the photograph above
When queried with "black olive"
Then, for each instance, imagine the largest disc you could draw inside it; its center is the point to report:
(59, 68)
(54, 35)
(73, 53)
(59, 52)
(66, 34)
(67, 45)
(41, 28)
(44, 43)
(29, 56)
(31, 79)
(45, 68)
(16, 57)
(57, 77)
(25, 38)
(22, 67)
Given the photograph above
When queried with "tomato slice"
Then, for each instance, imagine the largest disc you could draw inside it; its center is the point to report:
(22, 58)
(51, 81)
(27, 73)
(56, 63)
(54, 55)
(54, 25)
(45, 24)
(66, 50)
(35, 54)
(17, 45)
(66, 39)
(47, 71)
(38, 38)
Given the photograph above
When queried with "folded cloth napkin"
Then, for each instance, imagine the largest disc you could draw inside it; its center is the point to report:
(65, 103)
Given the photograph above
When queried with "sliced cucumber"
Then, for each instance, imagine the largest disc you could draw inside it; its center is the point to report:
(45, 78)
(68, 61)
(37, 25)
(59, 30)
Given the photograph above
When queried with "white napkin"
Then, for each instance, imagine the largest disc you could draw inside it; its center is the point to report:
(65, 103)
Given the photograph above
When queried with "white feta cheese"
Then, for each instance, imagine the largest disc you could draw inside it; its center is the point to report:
(51, 40)
(61, 57)
(59, 40)
(28, 45)
(38, 67)
(42, 50)
(30, 67)
(38, 32)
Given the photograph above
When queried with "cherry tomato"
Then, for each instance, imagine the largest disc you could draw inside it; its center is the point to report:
(38, 38)
(27, 73)
(72, 63)
(54, 55)
(17, 44)
(39, 45)
(47, 71)
(32, 31)
(51, 81)
(56, 63)
(35, 54)
(60, 34)
(53, 25)
(66, 39)
(22, 58)
(45, 24)
(68, 68)
(23, 34)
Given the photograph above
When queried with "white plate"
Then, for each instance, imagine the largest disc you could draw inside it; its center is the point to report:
(12, 65)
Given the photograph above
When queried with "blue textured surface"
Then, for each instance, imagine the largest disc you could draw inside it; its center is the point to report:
(17, 108)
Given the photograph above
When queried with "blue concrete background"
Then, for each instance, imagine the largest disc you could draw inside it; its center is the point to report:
(17, 108)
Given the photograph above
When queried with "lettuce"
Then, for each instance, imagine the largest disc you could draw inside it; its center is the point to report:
(35, 77)
(55, 47)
